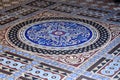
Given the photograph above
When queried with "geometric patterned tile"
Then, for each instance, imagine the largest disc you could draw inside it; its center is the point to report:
(53, 69)
(28, 77)
(117, 77)
(115, 50)
(41, 3)
(84, 78)
(74, 62)
(101, 62)
(6, 70)
(8, 3)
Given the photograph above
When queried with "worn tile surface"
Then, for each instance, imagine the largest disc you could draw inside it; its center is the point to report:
(59, 40)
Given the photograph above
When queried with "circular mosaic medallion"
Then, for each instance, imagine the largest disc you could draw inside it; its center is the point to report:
(58, 35)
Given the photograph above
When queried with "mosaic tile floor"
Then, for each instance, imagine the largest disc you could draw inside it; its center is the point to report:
(8, 3)
(60, 40)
